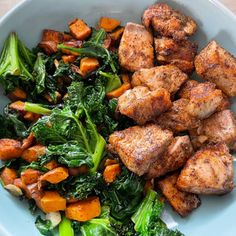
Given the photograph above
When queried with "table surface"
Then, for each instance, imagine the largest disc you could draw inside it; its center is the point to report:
(6, 5)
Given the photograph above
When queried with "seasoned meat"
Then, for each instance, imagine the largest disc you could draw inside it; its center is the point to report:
(209, 171)
(168, 22)
(168, 77)
(140, 146)
(183, 203)
(178, 53)
(220, 127)
(136, 50)
(217, 65)
(185, 92)
(203, 100)
(177, 118)
(174, 157)
(143, 105)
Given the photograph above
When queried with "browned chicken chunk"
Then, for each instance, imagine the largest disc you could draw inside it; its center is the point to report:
(176, 155)
(183, 203)
(217, 65)
(178, 53)
(144, 105)
(220, 127)
(177, 118)
(136, 50)
(140, 146)
(185, 92)
(168, 77)
(168, 22)
(209, 171)
(203, 100)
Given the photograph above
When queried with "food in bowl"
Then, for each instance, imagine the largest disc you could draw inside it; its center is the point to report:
(103, 119)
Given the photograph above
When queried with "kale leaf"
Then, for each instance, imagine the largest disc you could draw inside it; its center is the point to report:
(44, 226)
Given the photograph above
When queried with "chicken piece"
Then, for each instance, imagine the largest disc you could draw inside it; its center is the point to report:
(176, 155)
(217, 65)
(209, 171)
(140, 146)
(136, 50)
(185, 91)
(168, 22)
(168, 77)
(220, 127)
(143, 105)
(178, 53)
(203, 100)
(177, 118)
(183, 203)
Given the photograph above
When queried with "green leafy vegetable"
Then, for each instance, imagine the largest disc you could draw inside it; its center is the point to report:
(37, 108)
(98, 36)
(147, 217)
(44, 226)
(65, 228)
(113, 81)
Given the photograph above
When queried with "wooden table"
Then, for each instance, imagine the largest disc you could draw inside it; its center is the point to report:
(6, 5)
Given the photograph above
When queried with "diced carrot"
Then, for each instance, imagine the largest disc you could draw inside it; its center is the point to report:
(49, 98)
(56, 175)
(52, 201)
(78, 170)
(108, 24)
(30, 176)
(17, 94)
(79, 29)
(10, 149)
(18, 106)
(30, 116)
(68, 58)
(74, 44)
(33, 153)
(8, 176)
(118, 92)
(111, 172)
(109, 162)
(27, 142)
(148, 185)
(51, 165)
(88, 64)
(18, 182)
(125, 78)
(116, 35)
(84, 210)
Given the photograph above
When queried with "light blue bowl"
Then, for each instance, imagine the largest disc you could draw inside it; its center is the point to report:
(217, 214)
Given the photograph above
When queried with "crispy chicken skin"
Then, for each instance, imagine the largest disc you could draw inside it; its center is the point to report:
(209, 171)
(136, 50)
(220, 127)
(168, 22)
(203, 100)
(176, 155)
(143, 105)
(182, 202)
(217, 65)
(168, 77)
(178, 53)
(177, 118)
(140, 146)
(185, 92)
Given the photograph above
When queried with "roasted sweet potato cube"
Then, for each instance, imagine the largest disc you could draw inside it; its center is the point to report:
(33, 153)
(52, 35)
(17, 94)
(68, 58)
(108, 24)
(27, 142)
(8, 176)
(79, 29)
(30, 176)
(10, 149)
(111, 172)
(116, 35)
(88, 64)
(55, 176)
(49, 47)
(30, 116)
(18, 106)
(51, 165)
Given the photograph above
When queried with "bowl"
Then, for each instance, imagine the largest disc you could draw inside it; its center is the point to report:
(216, 216)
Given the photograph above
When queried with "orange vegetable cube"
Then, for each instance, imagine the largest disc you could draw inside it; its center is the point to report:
(10, 149)
(84, 210)
(30, 116)
(33, 153)
(30, 176)
(17, 94)
(52, 201)
(108, 24)
(118, 92)
(55, 176)
(51, 165)
(88, 64)
(68, 58)
(8, 176)
(109, 162)
(27, 142)
(116, 35)
(111, 172)
(18, 106)
(79, 29)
